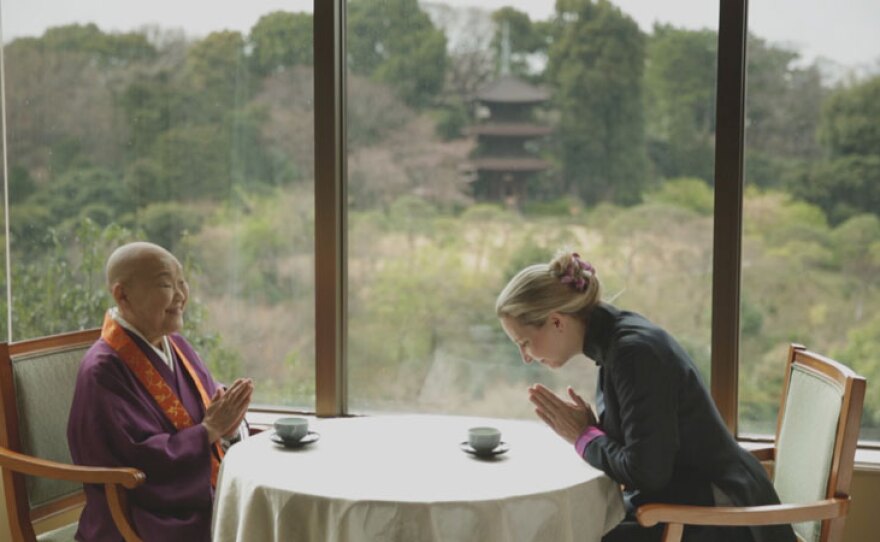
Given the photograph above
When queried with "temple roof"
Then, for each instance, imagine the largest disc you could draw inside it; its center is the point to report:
(511, 89)
(511, 129)
(509, 164)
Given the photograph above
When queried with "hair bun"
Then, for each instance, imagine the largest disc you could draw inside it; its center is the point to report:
(570, 269)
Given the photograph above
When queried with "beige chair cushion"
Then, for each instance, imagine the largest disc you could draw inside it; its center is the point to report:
(806, 442)
(44, 386)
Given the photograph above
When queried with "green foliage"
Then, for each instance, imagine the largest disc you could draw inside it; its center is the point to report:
(395, 42)
(680, 101)
(566, 205)
(842, 187)
(688, 193)
(783, 102)
(751, 319)
(451, 120)
(167, 223)
(224, 363)
(76, 190)
(28, 223)
(88, 38)
(21, 184)
(857, 246)
(529, 252)
(595, 65)
(851, 120)
(62, 288)
(525, 37)
(217, 78)
(279, 40)
(193, 162)
(860, 353)
(149, 105)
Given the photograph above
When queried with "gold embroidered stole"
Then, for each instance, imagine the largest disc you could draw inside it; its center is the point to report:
(138, 363)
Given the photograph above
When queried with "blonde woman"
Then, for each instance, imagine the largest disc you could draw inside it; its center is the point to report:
(654, 428)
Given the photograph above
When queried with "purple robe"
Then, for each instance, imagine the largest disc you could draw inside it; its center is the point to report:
(115, 422)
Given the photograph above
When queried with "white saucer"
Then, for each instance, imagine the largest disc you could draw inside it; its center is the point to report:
(311, 437)
(498, 450)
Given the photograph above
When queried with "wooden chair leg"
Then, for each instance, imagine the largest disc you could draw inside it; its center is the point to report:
(673, 532)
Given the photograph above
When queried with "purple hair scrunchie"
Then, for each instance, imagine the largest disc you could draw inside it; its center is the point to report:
(578, 273)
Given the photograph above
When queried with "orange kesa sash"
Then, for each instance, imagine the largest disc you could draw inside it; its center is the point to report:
(138, 363)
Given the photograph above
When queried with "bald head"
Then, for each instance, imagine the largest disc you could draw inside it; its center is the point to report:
(149, 288)
(129, 261)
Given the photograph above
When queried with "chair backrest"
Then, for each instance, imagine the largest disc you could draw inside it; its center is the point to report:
(37, 379)
(817, 435)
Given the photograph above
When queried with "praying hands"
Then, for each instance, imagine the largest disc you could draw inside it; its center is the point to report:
(568, 418)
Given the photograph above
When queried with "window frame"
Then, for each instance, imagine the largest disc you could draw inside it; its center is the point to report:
(330, 207)
(331, 235)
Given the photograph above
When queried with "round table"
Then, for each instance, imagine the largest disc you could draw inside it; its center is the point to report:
(405, 478)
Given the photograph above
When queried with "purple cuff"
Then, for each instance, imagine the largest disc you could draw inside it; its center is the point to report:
(587, 437)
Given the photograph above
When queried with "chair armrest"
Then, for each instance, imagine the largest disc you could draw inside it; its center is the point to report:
(33, 466)
(767, 453)
(774, 514)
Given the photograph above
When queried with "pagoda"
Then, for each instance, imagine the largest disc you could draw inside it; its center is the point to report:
(504, 159)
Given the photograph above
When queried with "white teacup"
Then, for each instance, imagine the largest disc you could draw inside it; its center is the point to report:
(484, 439)
(293, 428)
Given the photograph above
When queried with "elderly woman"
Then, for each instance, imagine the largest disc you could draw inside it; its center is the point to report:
(144, 399)
(655, 429)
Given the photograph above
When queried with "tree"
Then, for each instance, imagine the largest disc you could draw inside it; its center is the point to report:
(848, 182)
(216, 78)
(194, 164)
(842, 187)
(783, 102)
(850, 122)
(857, 244)
(596, 63)
(395, 42)
(149, 104)
(60, 109)
(680, 101)
(525, 38)
(107, 48)
(76, 193)
(279, 40)
(860, 353)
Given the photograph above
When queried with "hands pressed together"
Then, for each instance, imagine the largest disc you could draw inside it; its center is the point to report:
(227, 409)
(568, 418)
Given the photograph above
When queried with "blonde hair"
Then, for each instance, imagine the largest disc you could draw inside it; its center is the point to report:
(536, 291)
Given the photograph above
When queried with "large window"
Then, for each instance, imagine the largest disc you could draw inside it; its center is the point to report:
(811, 229)
(457, 145)
(198, 138)
(480, 141)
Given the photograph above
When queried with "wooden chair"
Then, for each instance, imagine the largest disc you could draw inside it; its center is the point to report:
(816, 436)
(36, 390)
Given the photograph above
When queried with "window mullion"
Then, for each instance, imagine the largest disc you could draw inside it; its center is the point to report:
(330, 209)
(727, 251)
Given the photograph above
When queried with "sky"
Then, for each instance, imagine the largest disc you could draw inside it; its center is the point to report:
(845, 31)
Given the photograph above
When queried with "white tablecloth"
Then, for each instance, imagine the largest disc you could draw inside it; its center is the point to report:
(404, 478)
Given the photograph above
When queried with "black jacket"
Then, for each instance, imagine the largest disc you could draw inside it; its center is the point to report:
(664, 439)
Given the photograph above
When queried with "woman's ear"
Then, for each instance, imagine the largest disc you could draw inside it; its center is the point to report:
(557, 321)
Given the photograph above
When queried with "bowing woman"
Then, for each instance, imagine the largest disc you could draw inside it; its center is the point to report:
(654, 429)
